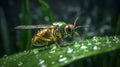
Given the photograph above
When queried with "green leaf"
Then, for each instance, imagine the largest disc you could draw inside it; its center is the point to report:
(48, 11)
(55, 57)
(25, 35)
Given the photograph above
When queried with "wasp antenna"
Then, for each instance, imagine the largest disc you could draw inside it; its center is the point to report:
(81, 27)
(75, 21)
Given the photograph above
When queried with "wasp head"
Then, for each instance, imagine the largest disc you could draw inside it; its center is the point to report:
(70, 29)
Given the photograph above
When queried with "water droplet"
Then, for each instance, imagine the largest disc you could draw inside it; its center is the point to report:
(88, 43)
(61, 56)
(94, 39)
(82, 44)
(53, 48)
(83, 47)
(16, 55)
(95, 48)
(3, 66)
(76, 45)
(49, 56)
(4, 62)
(52, 62)
(25, 51)
(14, 59)
(37, 56)
(5, 55)
(73, 57)
(43, 65)
(116, 39)
(107, 42)
(41, 61)
(69, 50)
(98, 43)
(86, 50)
(62, 59)
(52, 51)
(20, 63)
(35, 51)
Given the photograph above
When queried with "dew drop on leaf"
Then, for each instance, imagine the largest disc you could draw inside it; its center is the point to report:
(37, 55)
(62, 59)
(76, 45)
(95, 48)
(20, 63)
(83, 47)
(5, 56)
(98, 43)
(61, 56)
(25, 51)
(4, 62)
(35, 51)
(41, 61)
(73, 57)
(94, 39)
(49, 56)
(3, 66)
(108, 41)
(88, 43)
(52, 62)
(52, 51)
(69, 50)
(14, 59)
(43, 65)
(116, 39)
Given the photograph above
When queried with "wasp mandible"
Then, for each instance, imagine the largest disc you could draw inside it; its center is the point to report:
(52, 33)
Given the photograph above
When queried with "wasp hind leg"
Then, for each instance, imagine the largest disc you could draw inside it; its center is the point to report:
(47, 40)
(77, 34)
(55, 40)
(30, 47)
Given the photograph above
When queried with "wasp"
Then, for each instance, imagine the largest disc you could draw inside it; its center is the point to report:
(58, 31)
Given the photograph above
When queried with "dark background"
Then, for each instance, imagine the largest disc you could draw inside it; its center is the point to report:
(102, 17)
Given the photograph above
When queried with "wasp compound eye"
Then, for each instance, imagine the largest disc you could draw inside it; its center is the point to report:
(67, 28)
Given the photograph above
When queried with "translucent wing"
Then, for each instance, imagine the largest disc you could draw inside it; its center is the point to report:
(34, 26)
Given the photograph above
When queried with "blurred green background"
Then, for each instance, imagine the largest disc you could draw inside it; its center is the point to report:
(102, 17)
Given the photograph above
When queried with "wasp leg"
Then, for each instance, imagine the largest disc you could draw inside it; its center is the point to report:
(55, 40)
(39, 38)
(46, 44)
(45, 39)
(30, 47)
(77, 34)
(60, 36)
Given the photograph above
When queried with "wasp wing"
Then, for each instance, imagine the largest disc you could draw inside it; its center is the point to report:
(34, 26)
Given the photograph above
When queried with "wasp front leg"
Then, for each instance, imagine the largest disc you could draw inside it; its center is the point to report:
(55, 40)
(77, 34)
(47, 40)
(38, 38)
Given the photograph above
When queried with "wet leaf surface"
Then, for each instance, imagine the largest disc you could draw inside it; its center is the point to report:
(54, 57)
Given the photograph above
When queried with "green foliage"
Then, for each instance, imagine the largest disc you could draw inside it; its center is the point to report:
(55, 57)
(5, 34)
(26, 20)
(25, 36)
(47, 10)
(118, 26)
